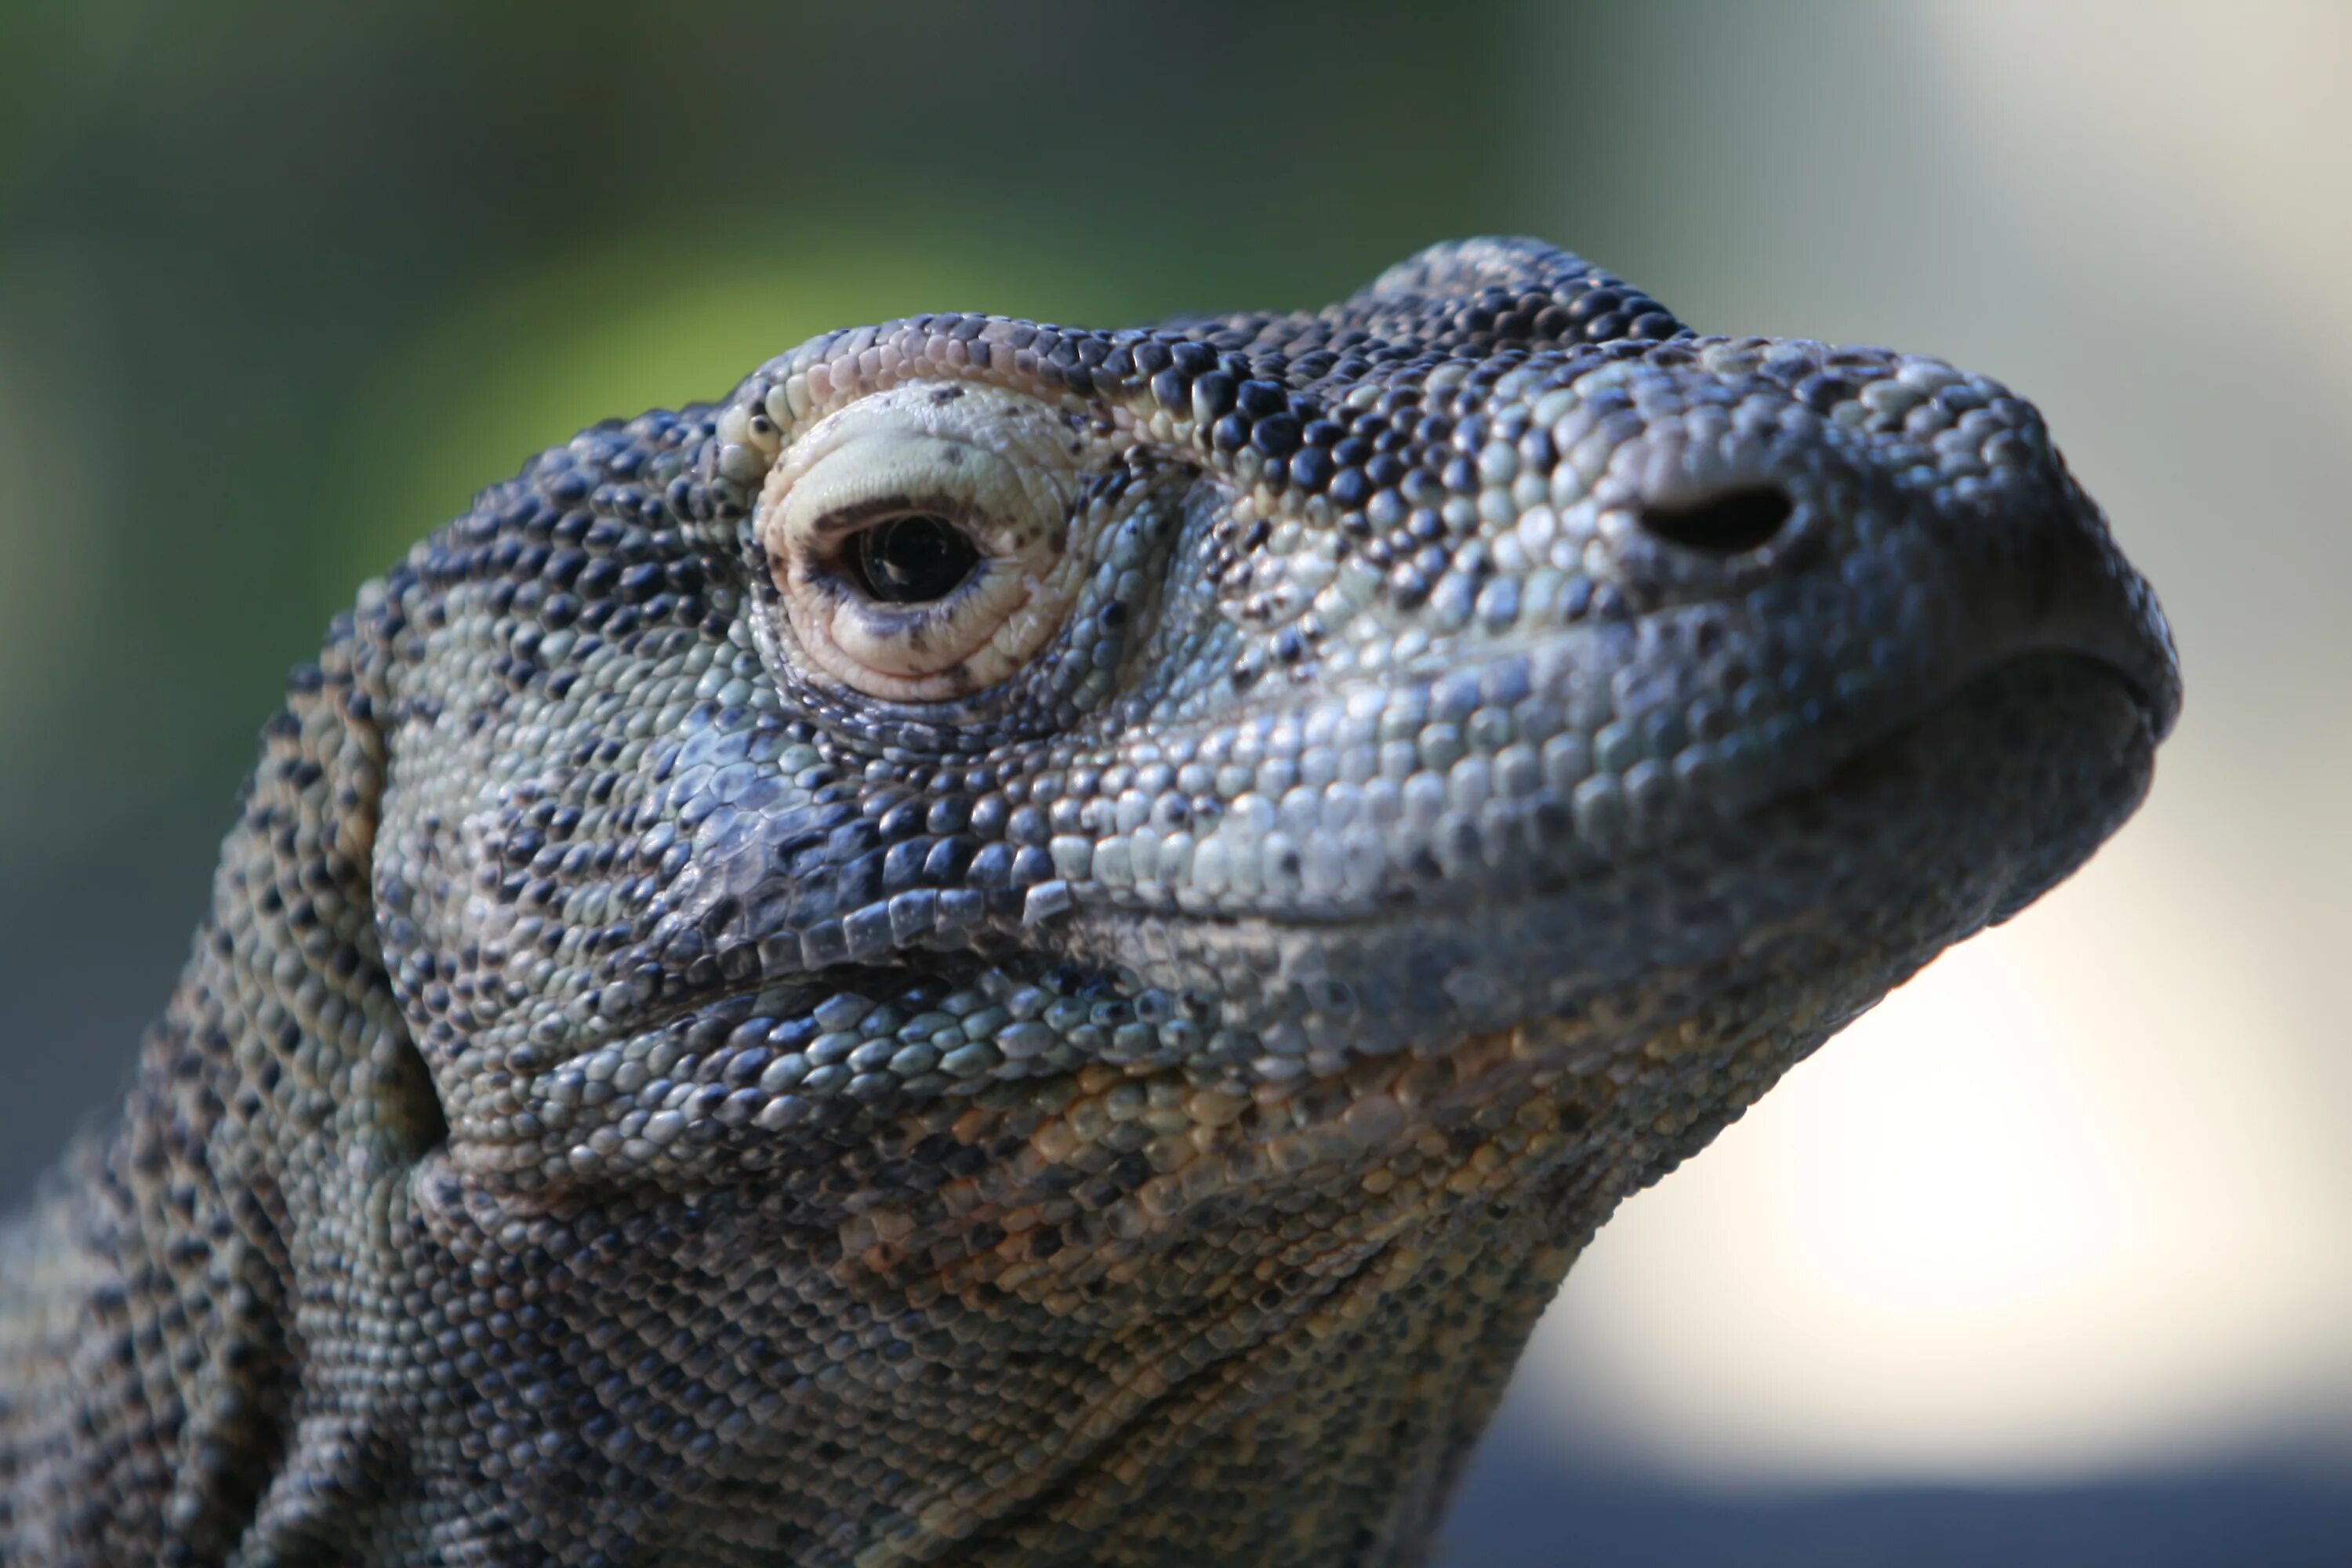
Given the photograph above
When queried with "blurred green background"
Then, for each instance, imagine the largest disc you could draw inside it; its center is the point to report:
(2049, 1260)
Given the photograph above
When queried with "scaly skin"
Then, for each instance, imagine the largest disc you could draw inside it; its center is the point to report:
(1100, 1057)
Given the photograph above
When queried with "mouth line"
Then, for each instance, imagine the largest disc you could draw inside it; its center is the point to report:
(1845, 784)
(1823, 787)
(2153, 679)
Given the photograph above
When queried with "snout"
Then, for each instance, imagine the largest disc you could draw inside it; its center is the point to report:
(1902, 523)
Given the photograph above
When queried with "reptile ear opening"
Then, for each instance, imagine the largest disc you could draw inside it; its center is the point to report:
(407, 1105)
(1726, 522)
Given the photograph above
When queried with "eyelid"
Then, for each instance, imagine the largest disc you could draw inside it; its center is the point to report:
(870, 475)
(854, 519)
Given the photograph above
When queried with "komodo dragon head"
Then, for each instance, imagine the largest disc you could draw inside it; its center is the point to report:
(1027, 945)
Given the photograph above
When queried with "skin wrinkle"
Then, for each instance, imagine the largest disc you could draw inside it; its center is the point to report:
(683, 1068)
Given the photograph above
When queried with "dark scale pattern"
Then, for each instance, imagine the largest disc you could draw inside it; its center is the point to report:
(1100, 1054)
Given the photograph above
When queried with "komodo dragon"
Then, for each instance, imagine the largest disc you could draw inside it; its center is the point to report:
(1024, 945)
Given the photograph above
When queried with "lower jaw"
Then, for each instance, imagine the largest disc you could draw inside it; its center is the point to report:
(1961, 817)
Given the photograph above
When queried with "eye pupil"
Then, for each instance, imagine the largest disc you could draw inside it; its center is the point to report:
(913, 560)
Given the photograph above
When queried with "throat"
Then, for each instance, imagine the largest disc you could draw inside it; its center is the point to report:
(1336, 1438)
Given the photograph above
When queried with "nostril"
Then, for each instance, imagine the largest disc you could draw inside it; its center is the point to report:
(1724, 522)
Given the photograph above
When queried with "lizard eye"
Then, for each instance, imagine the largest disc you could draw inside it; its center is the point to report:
(916, 542)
